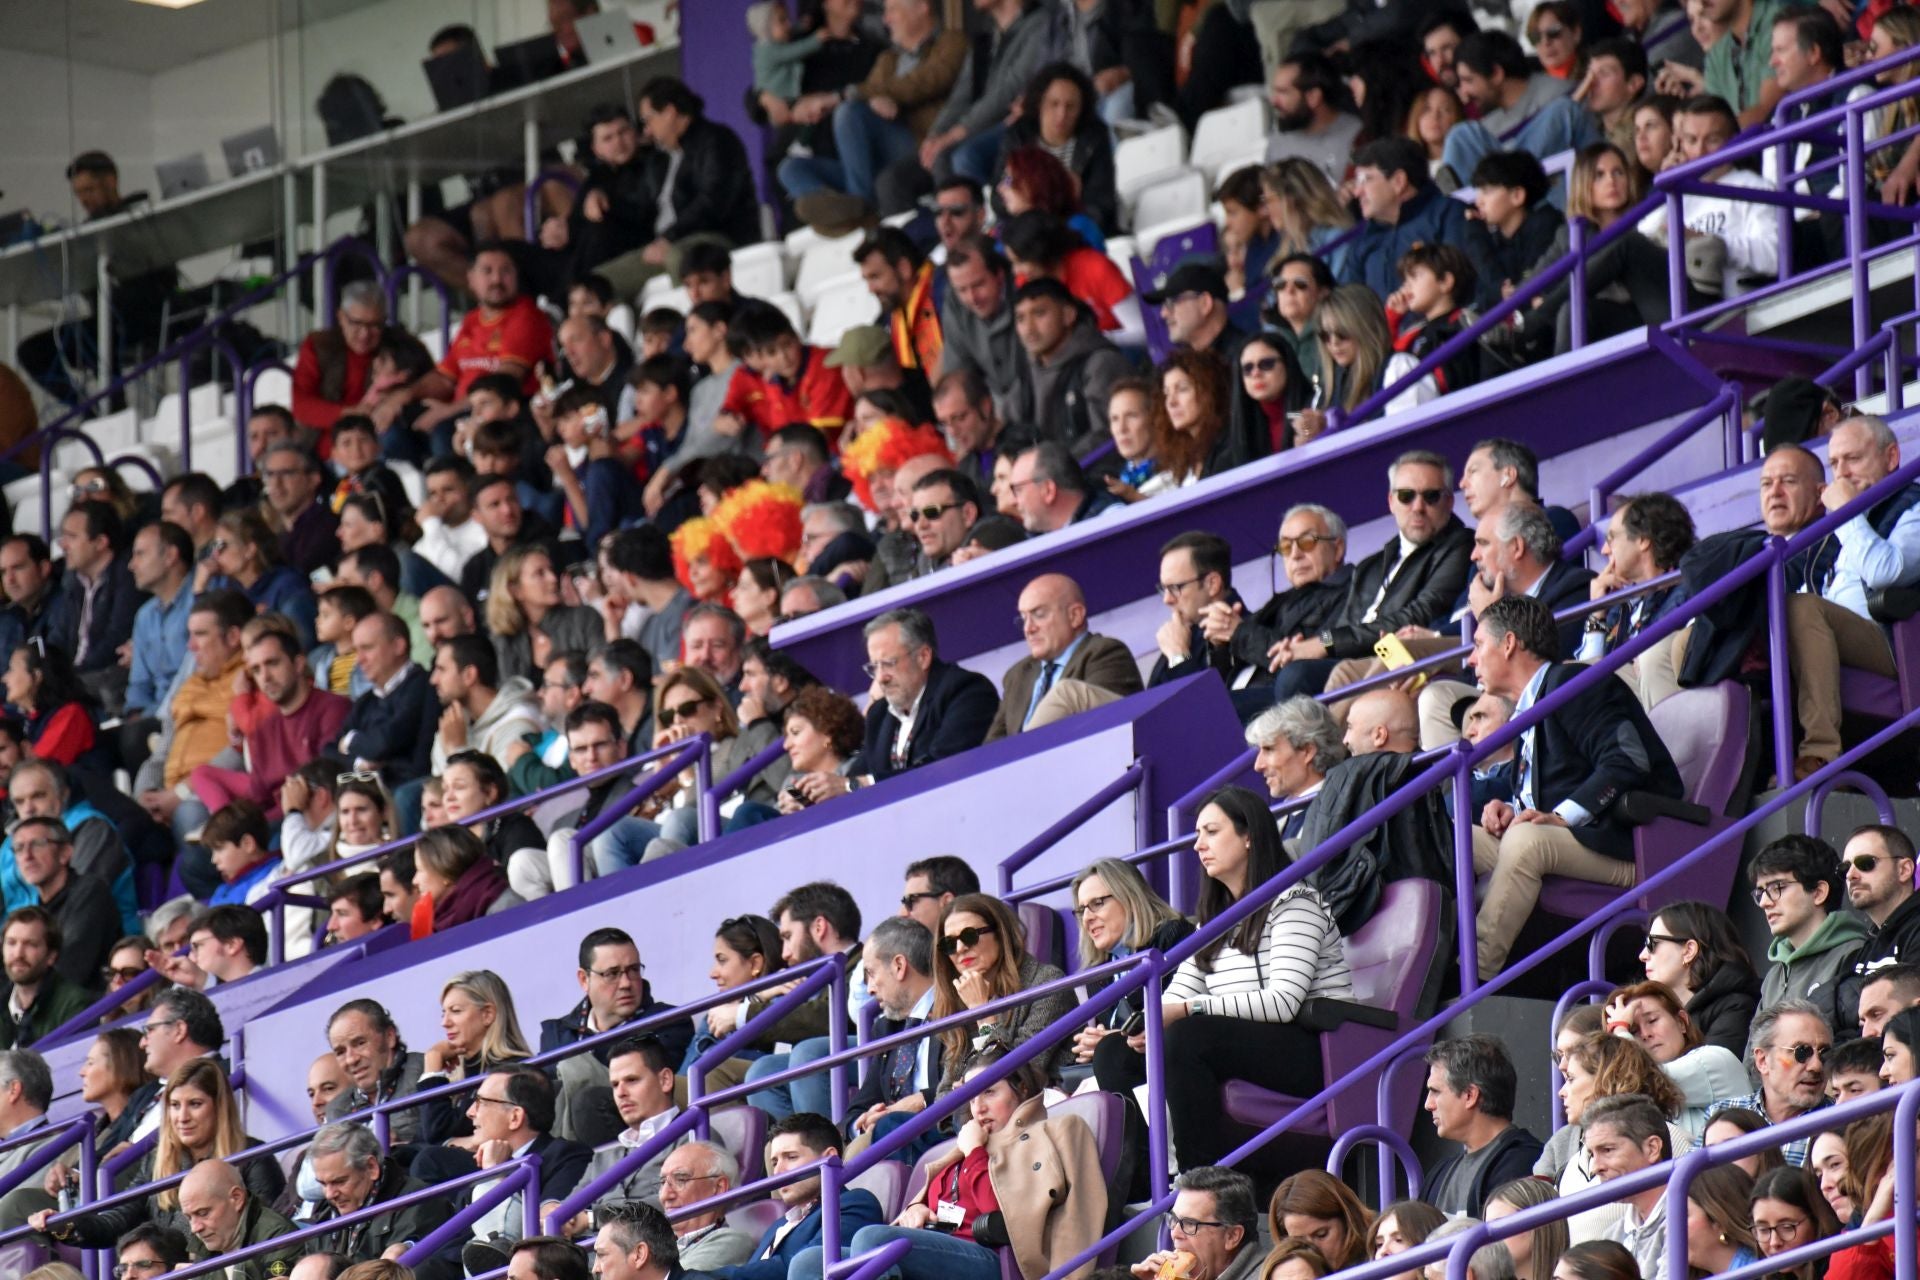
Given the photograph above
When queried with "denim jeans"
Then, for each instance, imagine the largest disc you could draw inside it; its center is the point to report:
(624, 844)
(975, 158)
(867, 145)
(1561, 125)
(935, 1255)
(812, 1093)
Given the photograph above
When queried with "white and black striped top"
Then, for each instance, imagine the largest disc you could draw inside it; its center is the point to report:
(1301, 957)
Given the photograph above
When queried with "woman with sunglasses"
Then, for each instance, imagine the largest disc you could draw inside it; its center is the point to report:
(1354, 348)
(1300, 283)
(1229, 1009)
(451, 867)
(1016, 1178)
(1650, 1013)
(57, 710)
(529, 620)
(1120, 915)
(1274, 382)
(1553, 29)
(368, 520)
(125, 962)
(106, 484)
(981, 956)
(1789, 1213)
(687, 703)
(200, 1120)
(245, 555)
(1694, 951)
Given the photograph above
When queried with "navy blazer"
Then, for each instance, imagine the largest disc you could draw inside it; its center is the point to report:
(956, 710)
(1594, 750)
(396, 731)
(857, 1209)
(109, 626)
(562, 1164)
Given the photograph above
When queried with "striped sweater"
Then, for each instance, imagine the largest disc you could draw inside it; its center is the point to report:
(1301, 957)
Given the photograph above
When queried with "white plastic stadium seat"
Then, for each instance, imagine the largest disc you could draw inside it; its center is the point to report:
(1181, 199)
(759, 269)
(1226, 132)
(1246, 160)
(789, 302)
(676, 299)
(273, 386)
(410, 480)
(1142, 161)
(825, 263)
(115, 431)
(838, 310)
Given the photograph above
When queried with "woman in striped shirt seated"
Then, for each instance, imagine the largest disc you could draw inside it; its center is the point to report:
(1229, 1009)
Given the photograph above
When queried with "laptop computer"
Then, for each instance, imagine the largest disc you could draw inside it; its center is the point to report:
(458, 78)
(252, 151)
(607, 35)
(178, 177)
(527, 61)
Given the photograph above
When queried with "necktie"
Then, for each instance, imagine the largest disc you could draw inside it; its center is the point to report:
(1048, 670)
(901, 1062)
(1523, 772)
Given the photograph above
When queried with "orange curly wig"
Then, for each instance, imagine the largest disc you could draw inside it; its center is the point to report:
(886, 446)
(762, 520)
(703, 536)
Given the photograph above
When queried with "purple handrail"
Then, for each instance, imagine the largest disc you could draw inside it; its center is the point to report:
(1726, 403)
(531, 210)
(1075, 818)
(1817, 801)
(870, 1266)
(735, 781)
(414, 271)
(694, 753)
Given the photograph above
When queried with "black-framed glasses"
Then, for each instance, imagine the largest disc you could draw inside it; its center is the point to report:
(109, 973)
(1293, 284)
(1305, 542)
(1175, 588)
(1785, 1232)
(680, 711)
(1431, 497)
(617, 972)
(908, 901)
(1771, 891)
(1092, 905)
(1655, 939)
(968, 937)
(930, 514)
(1190, 1226)
(1549, 33)
(1265, 364)
(144, 1267)
(152, 1027)
(479, 1098)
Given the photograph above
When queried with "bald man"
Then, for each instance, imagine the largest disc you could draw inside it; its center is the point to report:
(445, 612)
(1382, 720)
(1068, 669)
(222, 1217)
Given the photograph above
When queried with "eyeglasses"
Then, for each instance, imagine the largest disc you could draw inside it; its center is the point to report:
(1431, 497)
(1785, 1232)
(218, 545)
(1292, 284)
(1175, 588)
(1015, 486)
(1305, 542)
(35, 846)
(1805, 1053)
(1771, 891)
(1092, 905)
(122, 1270)
(1655, 939)
(1335, 335)
(152, 1027)
(908, 901)
(968, 938)
(1265, 364)
(1549, 33)
(680, 711)
(1866, 862)
(684, 1179)
(283, 473)
(479, 1098)
(1190, 1226)
(873, 669)
(88, 486)
(1173, 300)
(930, 514)
(617, 973)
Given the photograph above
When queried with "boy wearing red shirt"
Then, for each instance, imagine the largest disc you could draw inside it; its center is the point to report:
(784, 379)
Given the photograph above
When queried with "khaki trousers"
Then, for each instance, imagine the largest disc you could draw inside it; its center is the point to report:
(1822, 637)
(1518, 861)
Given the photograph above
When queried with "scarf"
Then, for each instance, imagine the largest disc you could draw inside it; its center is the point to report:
(478, 888)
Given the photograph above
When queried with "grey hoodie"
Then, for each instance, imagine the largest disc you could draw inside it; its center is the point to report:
(513, 713)
(1086, 424)
(989, 347)
(1013, 56)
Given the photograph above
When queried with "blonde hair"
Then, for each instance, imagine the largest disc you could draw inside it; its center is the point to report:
(1308, 201)
(1580, 184)
(1146, 910)
(505, 617)
(1354, 310)
(707, 687)
(504, 1043)
(170, 1155)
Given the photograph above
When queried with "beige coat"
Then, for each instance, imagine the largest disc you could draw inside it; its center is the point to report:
(1045, 1172)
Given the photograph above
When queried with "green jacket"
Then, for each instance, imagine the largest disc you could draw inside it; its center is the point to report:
(259, 1224)
(1813, 972)
(59, 999)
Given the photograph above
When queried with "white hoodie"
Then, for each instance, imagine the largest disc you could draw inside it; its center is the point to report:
(513, 713)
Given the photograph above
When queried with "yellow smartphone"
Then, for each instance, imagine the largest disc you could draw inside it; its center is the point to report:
(1393, 654)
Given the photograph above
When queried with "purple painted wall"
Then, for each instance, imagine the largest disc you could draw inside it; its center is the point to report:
(980, 806)
(1587, 402)
(717, 60)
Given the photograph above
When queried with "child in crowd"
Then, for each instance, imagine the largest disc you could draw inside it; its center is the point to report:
(1513, 228)
(307, 801)
(660, 386)
(239, 841)
(498, 451)
(777, 57)
(1423, 313)
(598, 487)
(1248, 242)
(356, 456)
(660, 332)
(496, 398)
(333, 661)
(433, 806)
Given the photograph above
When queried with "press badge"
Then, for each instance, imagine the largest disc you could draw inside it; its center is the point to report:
(950, 1215)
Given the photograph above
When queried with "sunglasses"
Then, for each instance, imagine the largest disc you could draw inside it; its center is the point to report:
(1431, 497)
(1265, 364)
(1290, 285)
(930, 514)
(968, 938)
(1805, 1053)
(1865, 862)
(669, 714)
(952, 210)
(1305, 542)
(358, 775)
(1549, 33)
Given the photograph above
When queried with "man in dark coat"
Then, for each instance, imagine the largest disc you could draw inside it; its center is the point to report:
(926, 710)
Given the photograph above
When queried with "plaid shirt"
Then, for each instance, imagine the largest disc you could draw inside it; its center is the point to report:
(1794, 1151)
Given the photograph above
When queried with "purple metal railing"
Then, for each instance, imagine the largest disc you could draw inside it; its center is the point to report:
(710, 801)
(1724, 406)
(696, 753)
(1132, 779)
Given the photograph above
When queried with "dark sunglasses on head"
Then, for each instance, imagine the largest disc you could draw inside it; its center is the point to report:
(1431, 497)
(968, 938)
(1265, 364)
(669, 714)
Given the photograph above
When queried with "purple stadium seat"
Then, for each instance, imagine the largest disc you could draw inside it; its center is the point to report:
(754, 1217)
(888, 1182)
(1042, 926)
(1707, 731)
(1877, 697)
(1104, 1113)
(1392, 957)
(1202, 240)
(743, 1131)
